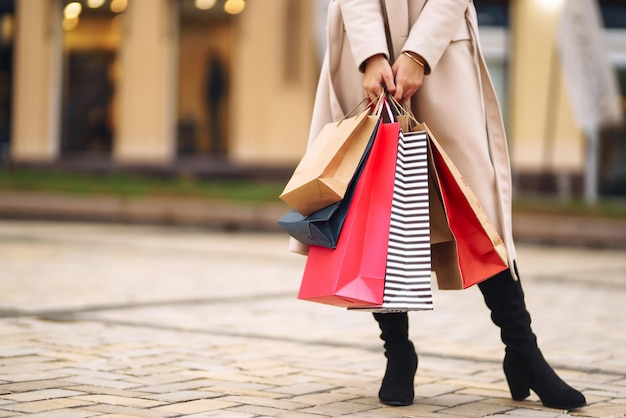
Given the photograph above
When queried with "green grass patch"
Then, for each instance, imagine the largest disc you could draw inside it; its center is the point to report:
(245, 191)
(604, 208)
(132, 185)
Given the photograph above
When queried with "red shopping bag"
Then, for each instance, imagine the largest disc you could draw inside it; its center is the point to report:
(408, 268)
(353, 274)
(466, 248)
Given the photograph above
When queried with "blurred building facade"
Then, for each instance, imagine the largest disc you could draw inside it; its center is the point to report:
(228, 82)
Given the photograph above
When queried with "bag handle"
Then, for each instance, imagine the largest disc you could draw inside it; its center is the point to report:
(368, 106)
(391, 105)
(347, 115)
(384, 103)
(403, 109)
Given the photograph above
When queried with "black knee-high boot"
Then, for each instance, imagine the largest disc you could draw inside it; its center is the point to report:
(524, 365)
(397, 385)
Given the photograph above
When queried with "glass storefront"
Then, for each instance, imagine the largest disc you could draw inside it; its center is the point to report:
(612, 164)
(493, 19)
(7, 23)
(206, 41)
(92, 35)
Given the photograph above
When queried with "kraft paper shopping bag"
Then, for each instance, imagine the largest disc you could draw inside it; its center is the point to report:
(323, 226)
(324, 172)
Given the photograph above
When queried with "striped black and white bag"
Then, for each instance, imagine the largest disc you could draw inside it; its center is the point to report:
(408, 269)
(407, 280)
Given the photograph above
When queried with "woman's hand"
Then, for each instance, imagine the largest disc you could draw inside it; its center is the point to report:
(378, 75)
(408, 75)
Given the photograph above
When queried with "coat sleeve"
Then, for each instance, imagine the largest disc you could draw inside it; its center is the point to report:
(365, 29)
(436, 26)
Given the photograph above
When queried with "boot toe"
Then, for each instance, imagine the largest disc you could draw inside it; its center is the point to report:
(571, 400)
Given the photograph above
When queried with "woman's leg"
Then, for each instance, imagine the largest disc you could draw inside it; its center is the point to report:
(524, 365)
(397, 385)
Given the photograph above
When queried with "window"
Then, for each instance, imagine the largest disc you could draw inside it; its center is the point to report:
(6, 75)
(612, 164)
(206, 38)
(92, 34)
(613, 13)
(493, 13)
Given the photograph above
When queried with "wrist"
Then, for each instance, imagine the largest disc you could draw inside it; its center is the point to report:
(371, 59)
(416, 58)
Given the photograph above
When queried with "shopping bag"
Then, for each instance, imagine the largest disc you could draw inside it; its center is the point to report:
(324, 172)
(408, 266)
(466, 248)
(353, 274)
(323, 226)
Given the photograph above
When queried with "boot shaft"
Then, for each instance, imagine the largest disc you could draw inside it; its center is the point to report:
(505, 298)
(394, 326)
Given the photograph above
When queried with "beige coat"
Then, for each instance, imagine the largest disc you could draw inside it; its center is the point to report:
(457, 100)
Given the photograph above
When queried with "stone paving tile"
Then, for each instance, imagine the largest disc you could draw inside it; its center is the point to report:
(287, 405)
(196, 406)
(602, 409)
(479, 409)
(33, 385)
(262, 411)
(535, 413)
(45, 405)
(36, 395)
(5, 414)
(432, 390)
(499, 392)
(32, 376)
(321, 398)
(451, 399)
(222, 414)
(182, 396)
(114, 384)
(100, 415)
(199, 384)
(92, 373)
(119, 400)
(393, 413)
(302, 389)
(65, 413)
(128, 411)
(243, 389)
(339, 408)
(100, 390)
(160, 379)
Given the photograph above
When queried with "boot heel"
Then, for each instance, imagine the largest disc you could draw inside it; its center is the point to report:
(519, 391)
(536, 374)
(397, 385)
(517, 378)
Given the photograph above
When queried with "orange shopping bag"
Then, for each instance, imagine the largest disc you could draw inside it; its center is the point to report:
(466, 248)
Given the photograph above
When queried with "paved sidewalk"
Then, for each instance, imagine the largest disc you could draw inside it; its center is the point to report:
(139, 321)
